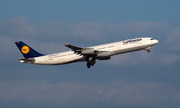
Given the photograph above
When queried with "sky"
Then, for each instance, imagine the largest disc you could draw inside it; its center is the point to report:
(132, 80)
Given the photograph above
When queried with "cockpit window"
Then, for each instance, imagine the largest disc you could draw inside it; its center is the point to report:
(152, 39)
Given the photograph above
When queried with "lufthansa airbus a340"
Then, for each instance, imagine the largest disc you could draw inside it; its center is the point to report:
(88, 54)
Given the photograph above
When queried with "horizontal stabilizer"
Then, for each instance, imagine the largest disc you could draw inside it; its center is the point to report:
(31, 60)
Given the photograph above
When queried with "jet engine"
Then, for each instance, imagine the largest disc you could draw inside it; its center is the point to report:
(88, 51)
(104, 54)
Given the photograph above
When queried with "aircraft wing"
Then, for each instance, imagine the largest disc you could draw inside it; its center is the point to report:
(80, 50)
(88, 52)
(74, 48)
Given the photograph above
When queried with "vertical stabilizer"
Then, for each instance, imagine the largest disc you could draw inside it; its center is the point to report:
(27, 51)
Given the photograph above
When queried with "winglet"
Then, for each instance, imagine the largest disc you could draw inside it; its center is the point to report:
(65, 43)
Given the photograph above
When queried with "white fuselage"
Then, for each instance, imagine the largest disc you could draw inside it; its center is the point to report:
(114, 48)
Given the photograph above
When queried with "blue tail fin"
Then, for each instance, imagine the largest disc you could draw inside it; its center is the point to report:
(27, 51)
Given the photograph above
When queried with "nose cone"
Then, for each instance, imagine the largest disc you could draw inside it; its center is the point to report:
(155, 41)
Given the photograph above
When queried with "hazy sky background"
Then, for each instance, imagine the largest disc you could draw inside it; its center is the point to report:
(132, 80)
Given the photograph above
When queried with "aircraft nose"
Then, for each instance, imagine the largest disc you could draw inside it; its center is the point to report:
(156, 41)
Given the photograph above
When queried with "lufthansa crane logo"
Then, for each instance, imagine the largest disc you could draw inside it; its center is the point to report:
(25, 49)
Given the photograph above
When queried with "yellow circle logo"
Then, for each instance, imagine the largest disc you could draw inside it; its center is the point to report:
(25, 49)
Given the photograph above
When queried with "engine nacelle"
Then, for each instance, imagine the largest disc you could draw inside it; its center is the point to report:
(88, 51)
(104, 54)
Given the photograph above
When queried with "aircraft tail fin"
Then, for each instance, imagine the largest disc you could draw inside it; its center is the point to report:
(27, 51)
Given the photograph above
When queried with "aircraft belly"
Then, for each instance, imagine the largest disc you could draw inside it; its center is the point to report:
(132, 48)
(49, 61)
(72, 58)
(57, 61)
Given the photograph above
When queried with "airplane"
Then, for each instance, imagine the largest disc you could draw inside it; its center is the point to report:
(85, 54)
